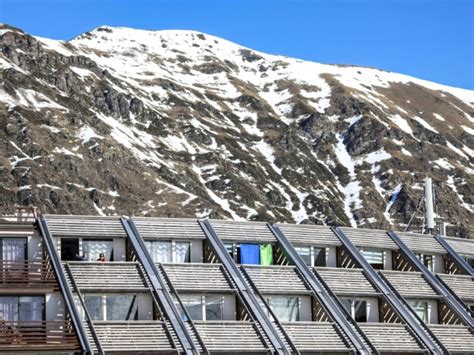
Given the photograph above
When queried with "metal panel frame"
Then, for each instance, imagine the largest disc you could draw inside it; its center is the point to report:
(159, 288)
(458, 259)
(448, 298)
(246, 293)
(327, 300)
(398, 303)
(63, 285)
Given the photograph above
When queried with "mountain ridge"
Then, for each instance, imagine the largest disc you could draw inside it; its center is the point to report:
(194, 125)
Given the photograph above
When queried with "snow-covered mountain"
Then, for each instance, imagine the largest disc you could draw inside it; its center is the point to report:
(180, 123)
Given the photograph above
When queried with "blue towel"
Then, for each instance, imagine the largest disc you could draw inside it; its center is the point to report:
(249, 254)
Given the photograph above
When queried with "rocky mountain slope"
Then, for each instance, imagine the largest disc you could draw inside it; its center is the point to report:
(180, 123)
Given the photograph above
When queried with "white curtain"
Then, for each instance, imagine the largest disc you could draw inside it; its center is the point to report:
(159, 251)
(13, 249)
(373, 256)
(213, 308)
(31, 308)
(96, 247)
(182, 252)
(8, 308)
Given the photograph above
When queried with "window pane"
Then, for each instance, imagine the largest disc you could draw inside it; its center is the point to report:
(93, 305)
(160, 251)
(347, 304)
(96, 247)
(8, 308)
(319, 256)
(13, 249)
(230, 249)
(213, 308)
(285, 308)
(121, 307)
(31, 308)
(420, 308)
(360, 311)
(428, 262)
(193, 305)
(305, 253)
(374, 258)
(183, 251)
(470, 262)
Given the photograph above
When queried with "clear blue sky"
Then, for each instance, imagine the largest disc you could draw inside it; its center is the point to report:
(429, 39)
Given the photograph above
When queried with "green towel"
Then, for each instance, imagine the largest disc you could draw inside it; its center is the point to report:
(266, 254)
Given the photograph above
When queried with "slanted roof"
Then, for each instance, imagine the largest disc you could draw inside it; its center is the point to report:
(462, 285)
(464, 247)
(85, 226)
(169, 228)
(18, 229)
(108, 276)
(243, 232)
(421, 243)
(276, 279)
(194, 277)
(315, 337)
(347, 282)
(456, 338)
(369, 238)
(230, 336)
(134, 336)
(391, 337)
(410, 284)
(309, 235)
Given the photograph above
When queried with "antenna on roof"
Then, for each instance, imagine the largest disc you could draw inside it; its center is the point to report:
(429, 224)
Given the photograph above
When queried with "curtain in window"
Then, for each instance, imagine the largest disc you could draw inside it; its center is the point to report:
(31, 308)
(159, 251)
(285, 308)
(8, 308)
(373, 256)
(13, 249)
(96, 247)
(183, 251)
(266, 254)
(249, 254)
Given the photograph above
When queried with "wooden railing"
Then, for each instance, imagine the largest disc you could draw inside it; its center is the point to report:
(50, 335)
(27, 274)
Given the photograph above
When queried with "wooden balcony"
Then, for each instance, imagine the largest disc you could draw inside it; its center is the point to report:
(37, 335)
(28, 274)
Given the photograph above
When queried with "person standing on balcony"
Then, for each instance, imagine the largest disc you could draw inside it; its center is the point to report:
(101, 257)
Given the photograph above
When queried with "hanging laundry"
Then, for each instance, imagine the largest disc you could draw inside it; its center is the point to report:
(266, 254)
(249, 254)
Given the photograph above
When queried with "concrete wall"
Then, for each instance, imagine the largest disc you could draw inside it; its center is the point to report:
(120, 250)
(230, 308)
(197, 251)
(305, 308)
(331, 257)
(438, 263)
(145, 307)
(372, 310)
(387, 260)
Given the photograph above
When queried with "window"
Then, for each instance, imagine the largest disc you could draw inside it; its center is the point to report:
(96, 247)
(420, 308)
(427, 260)
(13, 249)
(230, 249)
(374, 258)
(207, 307)
(69, 249)
(356, 308)
(169, 251)
(305, 253)
(470, 261)
(471, 308)
(22, 308)
(319, 256)
(183, 252)
(112, 307)
(286, 309)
